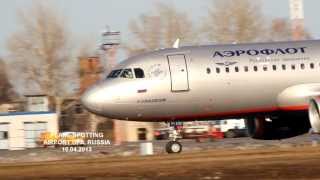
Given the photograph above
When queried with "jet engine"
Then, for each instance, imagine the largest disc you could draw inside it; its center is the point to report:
(280, 127)
(314, 115)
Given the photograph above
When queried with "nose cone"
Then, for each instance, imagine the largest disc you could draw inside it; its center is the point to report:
(99, 99)
(89, 100)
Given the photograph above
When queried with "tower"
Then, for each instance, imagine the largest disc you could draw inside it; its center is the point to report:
(109, 45)
(297, 19)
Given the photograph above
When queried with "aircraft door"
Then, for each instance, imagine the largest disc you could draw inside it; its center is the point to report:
(178, 73)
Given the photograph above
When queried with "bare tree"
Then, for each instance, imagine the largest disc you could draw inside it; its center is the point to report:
(40, 50)
(229, 21)
(160, 29)
(6, 90)
(281, 30)
(86, 47)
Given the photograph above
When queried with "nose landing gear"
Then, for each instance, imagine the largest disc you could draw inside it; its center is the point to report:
(174, 146)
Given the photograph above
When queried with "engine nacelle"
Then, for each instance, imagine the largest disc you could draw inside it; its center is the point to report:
(279, 128)
(314, 114)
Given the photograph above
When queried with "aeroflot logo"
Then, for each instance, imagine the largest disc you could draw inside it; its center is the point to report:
(254, 52)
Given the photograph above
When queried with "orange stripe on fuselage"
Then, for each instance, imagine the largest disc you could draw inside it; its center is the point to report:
(232, 113)
(294, 108)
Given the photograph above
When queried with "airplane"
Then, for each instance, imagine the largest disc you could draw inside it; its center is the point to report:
(275, 86)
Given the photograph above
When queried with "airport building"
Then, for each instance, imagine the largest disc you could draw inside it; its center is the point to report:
(21, 129)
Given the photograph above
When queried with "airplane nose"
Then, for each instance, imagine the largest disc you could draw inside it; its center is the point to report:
(98, 99)
(88, 99)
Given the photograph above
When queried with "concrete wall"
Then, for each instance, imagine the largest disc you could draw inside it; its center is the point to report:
(16, 136)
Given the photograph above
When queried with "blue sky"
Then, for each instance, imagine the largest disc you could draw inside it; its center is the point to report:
(87, 18)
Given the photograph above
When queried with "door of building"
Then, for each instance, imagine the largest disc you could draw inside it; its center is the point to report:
(32, 131)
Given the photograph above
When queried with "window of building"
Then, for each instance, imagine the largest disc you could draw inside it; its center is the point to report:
(246, 68)
(293, 67)
(255, 68)
(78, 109)
(311, 65)
(284, 67)
(3, 135)
(142, 133)
(218, 70)
(236, 69)
(208, 70)
(302, 66)
(139, 73)
(227, 70)
(127, 73)
(274, 67)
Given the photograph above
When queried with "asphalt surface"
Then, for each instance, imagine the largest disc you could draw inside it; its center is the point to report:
(242, 158)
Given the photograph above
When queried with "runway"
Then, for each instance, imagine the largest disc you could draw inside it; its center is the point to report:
(299, 162)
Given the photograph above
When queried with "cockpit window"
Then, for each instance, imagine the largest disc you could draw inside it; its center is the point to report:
(127, 73)
(139, 73)
(114, 73)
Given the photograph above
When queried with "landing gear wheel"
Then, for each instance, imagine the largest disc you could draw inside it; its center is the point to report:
(173, 147)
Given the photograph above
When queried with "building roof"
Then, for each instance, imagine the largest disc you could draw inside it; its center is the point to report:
(35, 95)
(25, 113)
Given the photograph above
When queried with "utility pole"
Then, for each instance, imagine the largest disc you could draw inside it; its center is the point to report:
(297, 19)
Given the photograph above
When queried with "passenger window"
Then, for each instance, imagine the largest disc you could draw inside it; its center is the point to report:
(227, 70)
(127, 73)
(311, 65)
(274, 67)
(265, 68)
(293, 67)
(284, 67)
(139, 73)
(302, 66)
(218, 70)
(236, 69)
(208, 70)
(255, 68)
(246, 69)
(114, 73)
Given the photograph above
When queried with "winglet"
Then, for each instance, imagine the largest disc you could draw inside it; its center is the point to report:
(176, 43)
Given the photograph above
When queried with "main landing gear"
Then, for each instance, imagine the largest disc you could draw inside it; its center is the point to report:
(173, 146)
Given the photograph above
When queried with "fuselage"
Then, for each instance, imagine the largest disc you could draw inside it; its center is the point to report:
(210, 82)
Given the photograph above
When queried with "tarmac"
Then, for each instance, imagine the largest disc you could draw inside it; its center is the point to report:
(240, 158)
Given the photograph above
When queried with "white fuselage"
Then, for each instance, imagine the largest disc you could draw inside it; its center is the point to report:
(210, 82)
